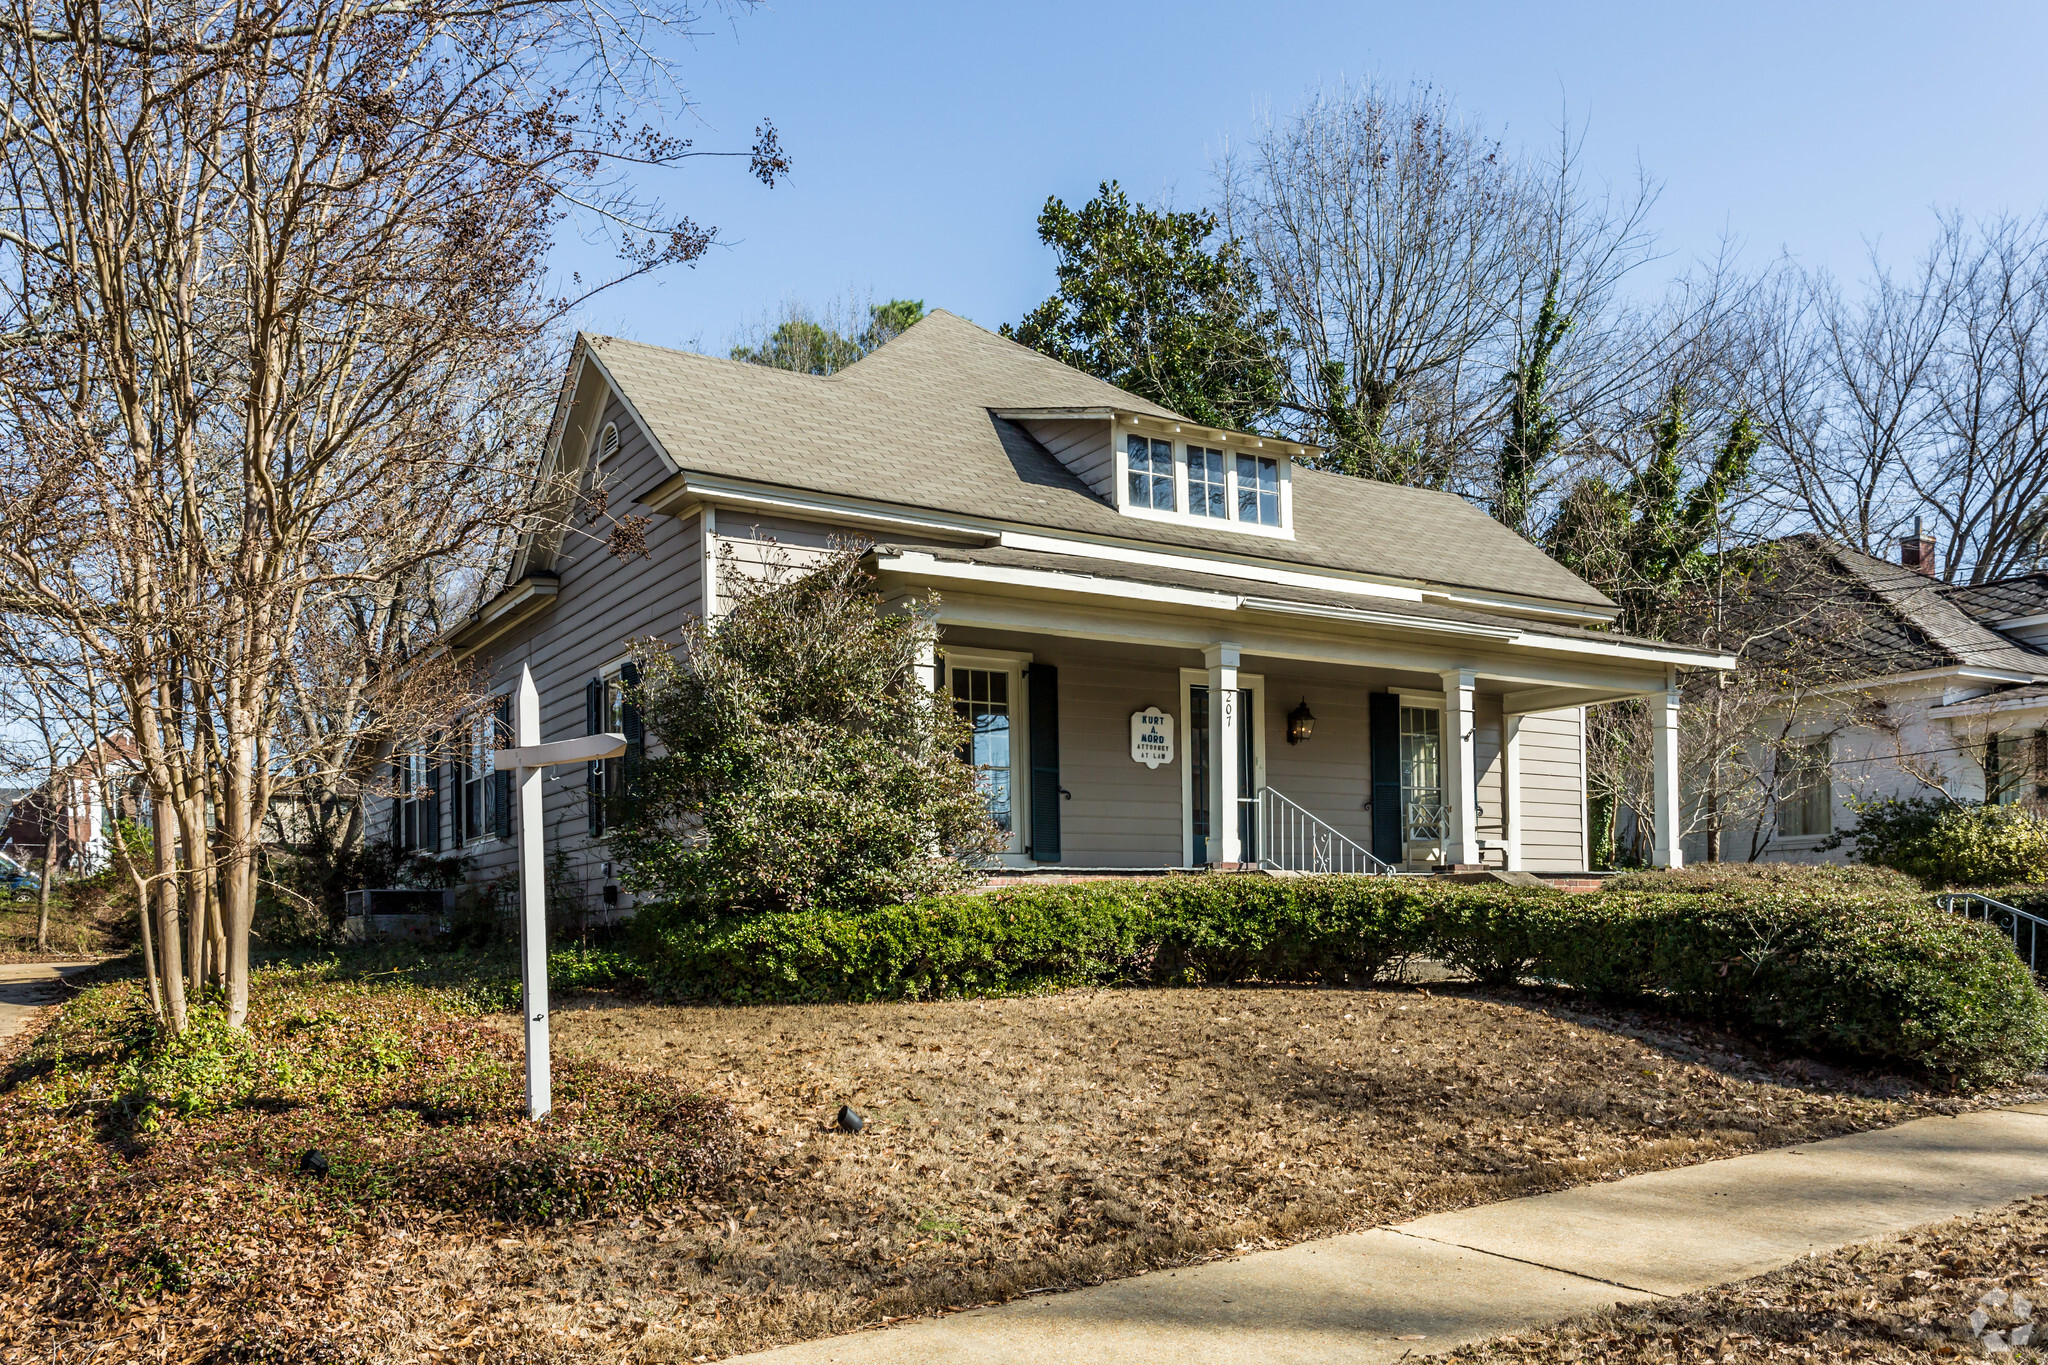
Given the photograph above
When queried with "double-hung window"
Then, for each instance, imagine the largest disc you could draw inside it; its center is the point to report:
(1258, 490)
(1806, 804)
(1205, 483)
(1151, 473)
(413, 810)
(2016, 768)
(482, 794)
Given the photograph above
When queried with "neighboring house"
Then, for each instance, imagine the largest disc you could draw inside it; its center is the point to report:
(1399, 675)
(1912, 686)
(87, 796)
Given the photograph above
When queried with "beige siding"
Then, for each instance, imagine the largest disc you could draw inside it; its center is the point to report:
(1331, 775)
(1122, 814)
(1086, 447)
(752, 543)
(1553, 793)
(604, 602)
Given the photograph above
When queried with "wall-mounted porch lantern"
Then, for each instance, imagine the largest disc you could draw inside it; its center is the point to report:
(1301, 722)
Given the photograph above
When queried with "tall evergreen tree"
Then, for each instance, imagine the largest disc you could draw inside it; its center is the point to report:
(1146, 304)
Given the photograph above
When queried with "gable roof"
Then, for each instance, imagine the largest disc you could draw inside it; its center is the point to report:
(1899, 620)
(913, 425)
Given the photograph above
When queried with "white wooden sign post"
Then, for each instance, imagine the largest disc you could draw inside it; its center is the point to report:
(527, 760)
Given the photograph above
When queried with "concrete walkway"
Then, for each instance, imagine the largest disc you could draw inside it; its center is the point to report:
(26, 987)
(1452, 1278)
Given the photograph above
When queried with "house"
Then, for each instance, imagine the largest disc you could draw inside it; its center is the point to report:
(1913, 686)
(87, 797)
(1150, 621)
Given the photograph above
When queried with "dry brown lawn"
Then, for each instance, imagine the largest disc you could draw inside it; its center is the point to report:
(1908, 1298)
(1023, 1145)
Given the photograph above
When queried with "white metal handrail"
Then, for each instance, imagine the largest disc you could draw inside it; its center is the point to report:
(2024, 927)
(1294, 839)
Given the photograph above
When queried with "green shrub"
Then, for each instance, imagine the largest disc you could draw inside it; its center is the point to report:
(1878, 974)
(1947, 844)
(1750, 877)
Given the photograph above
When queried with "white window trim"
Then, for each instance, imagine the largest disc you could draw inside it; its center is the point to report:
(1013, 663)
(1191, 678)
(1120, 435)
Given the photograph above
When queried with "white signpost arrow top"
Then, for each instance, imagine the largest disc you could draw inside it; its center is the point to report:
(527, 760)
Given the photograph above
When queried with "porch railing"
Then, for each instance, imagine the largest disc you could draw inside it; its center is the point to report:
(1294, 839)
(2026, 930)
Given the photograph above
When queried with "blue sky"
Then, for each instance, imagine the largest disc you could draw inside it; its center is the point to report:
(926, 136)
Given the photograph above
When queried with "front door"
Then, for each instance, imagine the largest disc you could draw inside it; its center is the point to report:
(1247, 802)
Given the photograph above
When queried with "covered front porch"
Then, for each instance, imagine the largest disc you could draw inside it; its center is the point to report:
(1114, 720)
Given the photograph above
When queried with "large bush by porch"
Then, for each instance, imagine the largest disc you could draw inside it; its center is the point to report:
(1878, 975)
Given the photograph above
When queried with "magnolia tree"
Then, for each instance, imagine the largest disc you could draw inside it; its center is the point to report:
(799, 761)
(272, 306)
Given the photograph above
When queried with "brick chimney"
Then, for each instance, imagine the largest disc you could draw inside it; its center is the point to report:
(1917, 550)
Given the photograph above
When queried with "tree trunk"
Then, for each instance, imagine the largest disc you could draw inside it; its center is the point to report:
(43, 890)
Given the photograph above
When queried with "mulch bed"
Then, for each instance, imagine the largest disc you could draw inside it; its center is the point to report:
(1010, 1146)
(1965, 1288)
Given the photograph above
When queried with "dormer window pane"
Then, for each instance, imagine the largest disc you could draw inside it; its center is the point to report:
(1258, 490)
(1205, 483)
(1151, 473)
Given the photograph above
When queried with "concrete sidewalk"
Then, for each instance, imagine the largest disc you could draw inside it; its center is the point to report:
(1452, 1278)
(26, 987)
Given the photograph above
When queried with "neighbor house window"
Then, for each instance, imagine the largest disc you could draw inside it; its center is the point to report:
(2016, 769)
(1205, 483)
(412, 810)
(981, 697)
(1258, 490)
(479, 818)
(1151, 473)
(1807, 806)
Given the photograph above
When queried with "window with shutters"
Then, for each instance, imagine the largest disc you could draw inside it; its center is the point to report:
(479, 815)
(608, 709)
(988, 693)
(412, 809)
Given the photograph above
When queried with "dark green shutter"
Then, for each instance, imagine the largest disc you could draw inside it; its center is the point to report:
(398, 804)
(593, 773)
(1042, 682)
(499, 815)
(636, 733)
(1384, 719)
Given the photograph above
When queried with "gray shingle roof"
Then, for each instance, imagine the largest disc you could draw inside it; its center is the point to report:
(1860, 615)
(2004, 600)
(913, 425)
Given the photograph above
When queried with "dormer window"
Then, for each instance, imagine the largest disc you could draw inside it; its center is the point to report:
(1151, 473)
(1206, 491)
(1258, 489)
(1226, 486)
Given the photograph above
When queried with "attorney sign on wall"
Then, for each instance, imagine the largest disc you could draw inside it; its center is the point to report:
(1151, 737)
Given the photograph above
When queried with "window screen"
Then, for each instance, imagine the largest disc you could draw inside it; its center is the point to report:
(1205, 483)
(1258, 490)
(1151, 473)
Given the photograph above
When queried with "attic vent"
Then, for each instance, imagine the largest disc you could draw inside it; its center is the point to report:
(608, 443)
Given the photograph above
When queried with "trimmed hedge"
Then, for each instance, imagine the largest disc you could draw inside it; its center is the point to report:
(1878, 975)
(1747, 877)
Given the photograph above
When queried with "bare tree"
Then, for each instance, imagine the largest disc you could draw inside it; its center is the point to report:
(1923, 398)
(1410, 255)
(270, 283)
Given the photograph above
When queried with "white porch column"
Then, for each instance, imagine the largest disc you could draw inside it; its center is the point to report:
(1669, 850)
(1511, 787)
(1224, 726)
(1461, 784)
